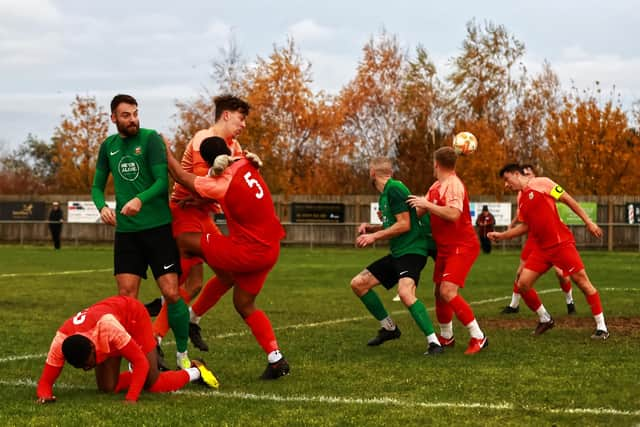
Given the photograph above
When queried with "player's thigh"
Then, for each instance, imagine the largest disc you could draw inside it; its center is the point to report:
(251, 283)
(161, 250)
(567, 258)
(225, 253)
(107, 374)
(456, 267)
(539, 262)
(128, 255)
(381, 271)
(409, 266)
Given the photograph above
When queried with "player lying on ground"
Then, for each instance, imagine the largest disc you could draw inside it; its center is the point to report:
(99, 336)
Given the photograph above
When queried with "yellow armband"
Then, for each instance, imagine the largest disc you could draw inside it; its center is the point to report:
(557, 192)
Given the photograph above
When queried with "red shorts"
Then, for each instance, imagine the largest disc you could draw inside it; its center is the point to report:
(565, 256)
(454, 267)
(248, 262)
(191, 219)
(528, 248)
(142, 334)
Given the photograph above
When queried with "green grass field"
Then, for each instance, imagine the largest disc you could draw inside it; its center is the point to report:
(560, 378)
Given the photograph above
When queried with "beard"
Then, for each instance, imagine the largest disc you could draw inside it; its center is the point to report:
(128, 130)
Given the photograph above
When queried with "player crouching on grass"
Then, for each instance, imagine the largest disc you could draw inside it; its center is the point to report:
(99, 336)
(539, 217)
(252, 247)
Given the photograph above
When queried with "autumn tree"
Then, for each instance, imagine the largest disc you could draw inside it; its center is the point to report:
(482, 83)
(484, 87)
(287, 120)
(29, 168)
(422, 105)
(77, 140)
(371, 101)
(592, 149)
(540, 98)
(228, 76)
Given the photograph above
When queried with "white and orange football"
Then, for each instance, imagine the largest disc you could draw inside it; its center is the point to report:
(465, 143)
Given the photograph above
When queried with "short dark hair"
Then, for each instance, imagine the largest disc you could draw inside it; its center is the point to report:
(122, 99)
(212, 147)
(77, 349)
(511, 168)
(446, 157)
(230, 103)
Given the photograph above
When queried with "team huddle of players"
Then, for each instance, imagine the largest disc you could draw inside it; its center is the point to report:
(175, 235)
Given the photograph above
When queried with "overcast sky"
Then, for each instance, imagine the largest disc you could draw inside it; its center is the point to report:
(160, 51)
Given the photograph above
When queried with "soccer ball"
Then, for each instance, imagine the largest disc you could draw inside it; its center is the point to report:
(465, 143)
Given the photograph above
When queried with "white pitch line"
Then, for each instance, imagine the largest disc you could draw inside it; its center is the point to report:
(54, 273)
(384, 401)
(323, 323)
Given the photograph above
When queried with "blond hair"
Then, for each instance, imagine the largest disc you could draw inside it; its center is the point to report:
(382, 165)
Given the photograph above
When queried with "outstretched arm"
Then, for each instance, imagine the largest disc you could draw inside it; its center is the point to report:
(516, 231)
(402, 225)
(175, 169)
(422, 205)
(575, 207)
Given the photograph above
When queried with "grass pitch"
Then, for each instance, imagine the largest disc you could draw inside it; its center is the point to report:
(560, 378)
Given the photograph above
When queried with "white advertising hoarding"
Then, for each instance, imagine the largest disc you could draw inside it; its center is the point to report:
(85, 211)
(373, 214)
(501, 212)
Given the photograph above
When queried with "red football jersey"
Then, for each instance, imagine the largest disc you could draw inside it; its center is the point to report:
(537, 207)
(246, 202)
(450, 236)
(106, 323)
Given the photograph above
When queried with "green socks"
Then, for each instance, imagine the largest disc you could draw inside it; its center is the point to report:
(419, 313)
(178, 315)
(374, 305)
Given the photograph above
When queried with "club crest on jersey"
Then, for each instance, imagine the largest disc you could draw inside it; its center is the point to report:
(138, 151)
(531, 196)
(128, 168)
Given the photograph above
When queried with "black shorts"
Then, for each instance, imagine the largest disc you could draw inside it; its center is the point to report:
(134, 252)
(388, 270)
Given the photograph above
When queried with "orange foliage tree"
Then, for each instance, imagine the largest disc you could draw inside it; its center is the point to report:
(77, 140)
(422, 104)
(287, 121)
(371, 102)
(592, 150)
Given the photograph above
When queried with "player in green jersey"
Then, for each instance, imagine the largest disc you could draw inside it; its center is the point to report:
(137, 160)
(409, 246)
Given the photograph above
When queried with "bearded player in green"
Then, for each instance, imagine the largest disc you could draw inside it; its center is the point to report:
(137, 159)
(410, 243)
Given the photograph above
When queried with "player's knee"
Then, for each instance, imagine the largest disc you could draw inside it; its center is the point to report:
(358, 285)
(127, 292)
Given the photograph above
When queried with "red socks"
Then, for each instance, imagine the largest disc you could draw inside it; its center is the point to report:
(462, 309)
(532, 299)
(594, 302)
(566, 286)
(262, 330)
(444, 312)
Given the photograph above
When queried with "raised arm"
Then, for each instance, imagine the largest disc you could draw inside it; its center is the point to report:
(593, 228)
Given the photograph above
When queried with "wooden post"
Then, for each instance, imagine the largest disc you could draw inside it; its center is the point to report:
(610, 224)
